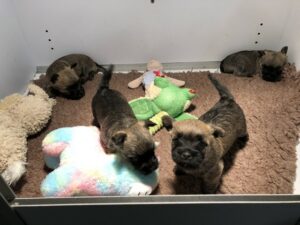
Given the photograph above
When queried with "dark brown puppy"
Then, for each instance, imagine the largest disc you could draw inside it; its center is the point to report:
(120, 131)
(67, 74)
(198, 146)
(248, 63)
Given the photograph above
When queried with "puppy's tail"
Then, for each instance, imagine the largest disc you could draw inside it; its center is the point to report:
(107, 73)
(223, 91)
(100, 67)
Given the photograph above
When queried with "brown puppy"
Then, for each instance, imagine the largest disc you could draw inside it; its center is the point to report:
(120, 130)
(198, 146)
(67, 74)
(248, 63)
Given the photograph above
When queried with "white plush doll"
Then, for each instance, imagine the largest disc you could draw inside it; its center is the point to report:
(81, 167)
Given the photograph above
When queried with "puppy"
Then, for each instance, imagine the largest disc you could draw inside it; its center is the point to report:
(198, 146)
(67, 74)
(120, 131)
(248, 63)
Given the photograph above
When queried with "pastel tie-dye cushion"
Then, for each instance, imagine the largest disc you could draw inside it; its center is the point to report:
(81, 167)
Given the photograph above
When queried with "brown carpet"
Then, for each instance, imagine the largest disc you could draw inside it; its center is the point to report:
(265, 166)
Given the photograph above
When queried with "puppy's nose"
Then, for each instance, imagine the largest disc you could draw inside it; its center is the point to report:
(186, 155)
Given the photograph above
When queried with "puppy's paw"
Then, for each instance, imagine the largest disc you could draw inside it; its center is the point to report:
(206, 189)
(139, 189)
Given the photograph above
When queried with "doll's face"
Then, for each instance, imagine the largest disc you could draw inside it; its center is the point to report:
(154, 65)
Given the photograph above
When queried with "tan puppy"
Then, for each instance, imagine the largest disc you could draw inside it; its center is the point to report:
(248, 63)
(67, 74)
(198, 146)
(120, 130)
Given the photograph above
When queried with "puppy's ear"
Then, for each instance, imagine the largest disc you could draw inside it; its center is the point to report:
(217, 131)
(284, 50)
(149, 123)
(261, 53)
(73, 65)
(54, 78)
(167, 122)
(119, 137)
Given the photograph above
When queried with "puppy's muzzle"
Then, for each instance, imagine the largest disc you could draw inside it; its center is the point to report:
(188, 158)
(272, 74)
(146, 167)
(76, 93)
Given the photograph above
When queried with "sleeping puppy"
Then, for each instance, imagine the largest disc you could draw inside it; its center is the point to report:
(248, 63)
(67, 74)
(198, 146)
(120, 131)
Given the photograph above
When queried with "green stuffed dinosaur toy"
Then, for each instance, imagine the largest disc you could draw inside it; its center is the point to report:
(167, 99)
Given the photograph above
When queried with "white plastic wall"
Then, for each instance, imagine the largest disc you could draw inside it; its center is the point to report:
(16, 64)
(291, 33)
(133, 31)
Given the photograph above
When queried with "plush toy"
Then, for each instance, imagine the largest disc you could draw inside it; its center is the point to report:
(171, 99)
(20, 117)
(154, 69)
(81, 167)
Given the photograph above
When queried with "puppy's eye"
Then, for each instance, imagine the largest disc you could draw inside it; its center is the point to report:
(199, 137)
(54, 78)
(201, 144)
(176, 140)
(133, 159)
(177, 137)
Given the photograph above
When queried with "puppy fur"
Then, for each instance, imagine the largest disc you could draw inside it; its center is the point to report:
(198, 146)
(120, 131)
(67, 74)
(248, 63)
